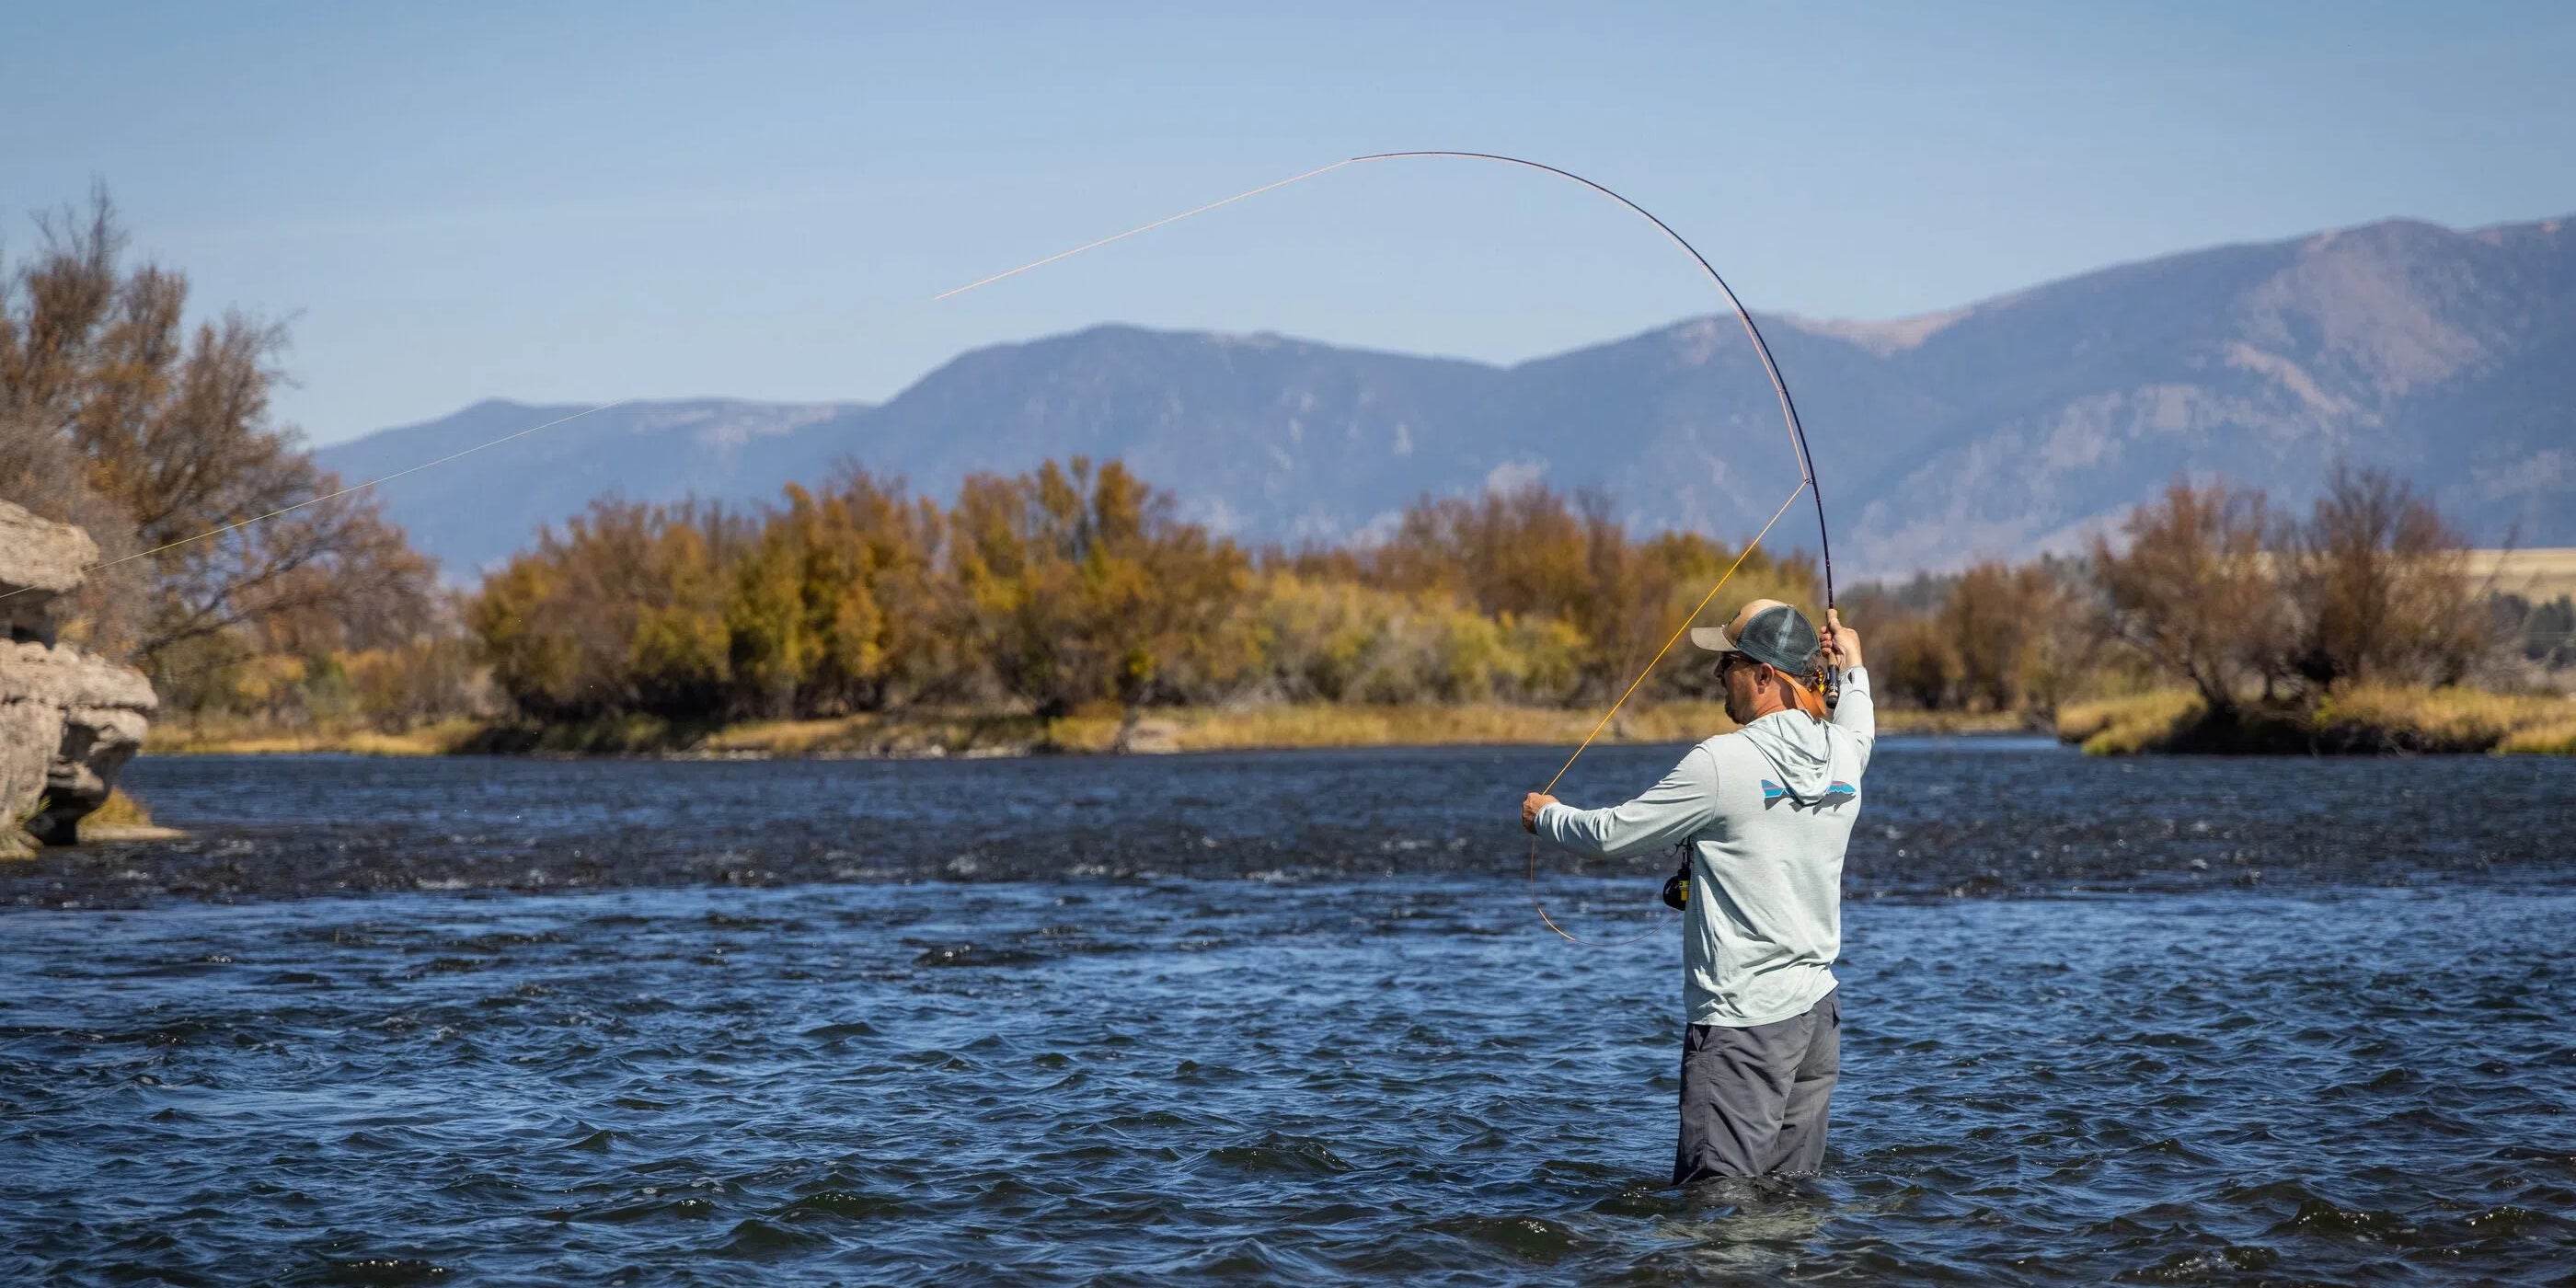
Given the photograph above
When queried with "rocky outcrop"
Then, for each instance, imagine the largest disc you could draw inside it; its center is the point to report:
(69, 720)
(39, 561)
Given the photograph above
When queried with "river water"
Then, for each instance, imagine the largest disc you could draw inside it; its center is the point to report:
(1272, 1017)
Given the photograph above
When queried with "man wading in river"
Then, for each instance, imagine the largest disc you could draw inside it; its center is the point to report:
(1765, 812)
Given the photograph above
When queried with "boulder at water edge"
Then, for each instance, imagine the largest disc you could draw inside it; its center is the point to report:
(69, 720)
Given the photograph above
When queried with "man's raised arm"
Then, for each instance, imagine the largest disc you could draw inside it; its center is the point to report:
(1855, 710)
(1670, 811)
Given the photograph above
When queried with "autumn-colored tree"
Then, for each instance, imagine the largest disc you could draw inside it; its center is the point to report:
(1984, 623)
(1522, 551)
(1341, 640)
(1912, 660)
(1082, 586)
(2377, 585)
(892, 637)
(2008, 638)
(2371, 586)
(2062, 647)
(2196, 591)
(839, 603)
(170, 424)
(1537, 560)
(783, 605)
(624, 610)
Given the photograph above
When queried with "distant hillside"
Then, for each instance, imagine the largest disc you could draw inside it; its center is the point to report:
(2009, 427)
(480, 509)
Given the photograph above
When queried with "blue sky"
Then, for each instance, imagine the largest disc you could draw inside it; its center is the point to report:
(582, 202)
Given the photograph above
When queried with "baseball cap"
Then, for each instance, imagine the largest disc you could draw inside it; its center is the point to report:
(1765, 630)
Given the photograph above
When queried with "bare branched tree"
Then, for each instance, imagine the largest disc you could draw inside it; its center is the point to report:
(2377, 581)
(2195, 591)
(111, 400)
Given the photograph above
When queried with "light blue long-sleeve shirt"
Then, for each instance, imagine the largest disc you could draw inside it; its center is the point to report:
(1766, 811)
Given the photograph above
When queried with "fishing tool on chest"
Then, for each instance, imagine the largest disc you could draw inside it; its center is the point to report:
(1677, 886)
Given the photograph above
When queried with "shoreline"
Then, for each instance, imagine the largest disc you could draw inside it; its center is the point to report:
(2359, 721)
(2362, 721)
(968, 735)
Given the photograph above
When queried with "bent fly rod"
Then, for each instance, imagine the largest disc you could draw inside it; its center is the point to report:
(1761, 349)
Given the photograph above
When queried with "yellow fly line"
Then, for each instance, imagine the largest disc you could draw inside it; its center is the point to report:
(1624, 695)
(1678, 632)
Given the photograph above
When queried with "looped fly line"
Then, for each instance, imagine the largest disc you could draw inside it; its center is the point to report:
(1761, 350)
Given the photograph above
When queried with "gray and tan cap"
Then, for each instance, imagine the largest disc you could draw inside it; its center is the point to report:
(1765, 630)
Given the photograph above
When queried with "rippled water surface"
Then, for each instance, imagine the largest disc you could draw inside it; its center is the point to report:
(1271, 1018)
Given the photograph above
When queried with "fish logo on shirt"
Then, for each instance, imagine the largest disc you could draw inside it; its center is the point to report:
(1836, 793)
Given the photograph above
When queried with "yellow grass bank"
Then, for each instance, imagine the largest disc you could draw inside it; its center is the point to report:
(119, 818)
(2362, 720)
(254, 738)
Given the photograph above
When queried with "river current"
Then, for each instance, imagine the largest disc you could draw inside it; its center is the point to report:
(1268, 1018)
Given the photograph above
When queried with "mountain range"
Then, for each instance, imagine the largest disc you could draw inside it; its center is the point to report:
(2007, 428)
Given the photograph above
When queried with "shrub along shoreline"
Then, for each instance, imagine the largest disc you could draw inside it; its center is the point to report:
(1072, 607)
(1069, 609)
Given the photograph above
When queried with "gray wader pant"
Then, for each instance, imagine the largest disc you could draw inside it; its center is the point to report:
(1755, 1100)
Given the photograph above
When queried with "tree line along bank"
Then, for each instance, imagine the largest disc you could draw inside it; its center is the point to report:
(1074, 586)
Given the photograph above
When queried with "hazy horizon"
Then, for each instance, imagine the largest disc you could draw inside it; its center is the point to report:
(1819, 325)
